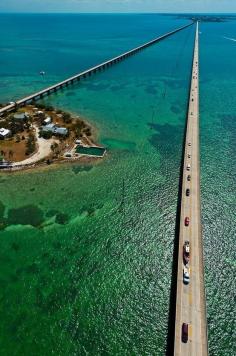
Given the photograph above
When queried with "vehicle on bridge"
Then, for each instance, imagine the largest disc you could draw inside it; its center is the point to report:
(188, 167)
(184, 332)
(187, 192)
(186, 252)
(186, 275)
(189, 178)
(186, 221)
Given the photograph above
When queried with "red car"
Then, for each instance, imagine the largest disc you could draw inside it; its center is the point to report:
(185, 333)
(186, 221)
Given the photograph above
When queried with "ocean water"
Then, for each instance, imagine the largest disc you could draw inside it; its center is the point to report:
(86, 256)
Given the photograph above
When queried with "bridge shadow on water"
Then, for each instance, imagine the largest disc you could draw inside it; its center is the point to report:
(172, 301)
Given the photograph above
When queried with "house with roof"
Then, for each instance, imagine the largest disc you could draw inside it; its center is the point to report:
(47, 121)
(55, 130)
(49, 128)
(63, 131)
(4, 133)
(21, 116)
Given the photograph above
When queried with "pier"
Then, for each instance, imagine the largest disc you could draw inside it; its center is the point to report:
(87, 73)
(190, 296)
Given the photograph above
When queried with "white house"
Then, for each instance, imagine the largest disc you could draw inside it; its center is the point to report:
(47, 121)
(4, 133)
(49, 128)
(61, 131)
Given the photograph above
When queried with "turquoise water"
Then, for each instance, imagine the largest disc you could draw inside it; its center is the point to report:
(86, 259)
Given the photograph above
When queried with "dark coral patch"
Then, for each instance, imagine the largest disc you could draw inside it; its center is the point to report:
(176, 109)
(2, 209)
(116, 87)
(62, 218)
(70, 93)
(52, 213)
(32, 268)
(150, 89)
(96, 87)
(26, 215)
(85, 168)
(166, 139)
(15, 246)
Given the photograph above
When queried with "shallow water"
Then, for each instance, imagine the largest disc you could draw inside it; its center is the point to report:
(86, 255)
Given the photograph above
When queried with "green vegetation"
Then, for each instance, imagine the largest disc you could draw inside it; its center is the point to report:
(66, 117)
(87, 131)
(45, 134)
(78, 127)
(55, 149)
(41, 106)
(49, 108)
(22, 128)
(17, 138)
(30, 145)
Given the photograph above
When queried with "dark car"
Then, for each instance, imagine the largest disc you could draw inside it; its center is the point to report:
(188, 192)
(186, 221)
(188, 178)
(185, 333)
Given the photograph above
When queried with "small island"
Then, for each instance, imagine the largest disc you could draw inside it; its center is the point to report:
(34, 135)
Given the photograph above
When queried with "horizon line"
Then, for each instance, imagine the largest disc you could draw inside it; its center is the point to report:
(114, 13)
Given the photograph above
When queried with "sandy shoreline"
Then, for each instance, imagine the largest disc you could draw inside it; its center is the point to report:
(41, 158)
(43, 166)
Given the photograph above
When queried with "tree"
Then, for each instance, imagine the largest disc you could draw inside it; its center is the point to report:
(30, 144)
(54, 146)
(17, 138)
(41, 106)
(87, 131)
(49, 108)
(66, 117)
(45, 134)
(78, 126)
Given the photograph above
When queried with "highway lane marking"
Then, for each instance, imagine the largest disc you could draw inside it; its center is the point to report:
(190, 331)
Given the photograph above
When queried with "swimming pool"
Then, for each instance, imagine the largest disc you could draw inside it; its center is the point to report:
(91, 151)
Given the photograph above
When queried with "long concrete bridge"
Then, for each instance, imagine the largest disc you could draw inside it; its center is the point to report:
(54, 88)
(191, 340)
